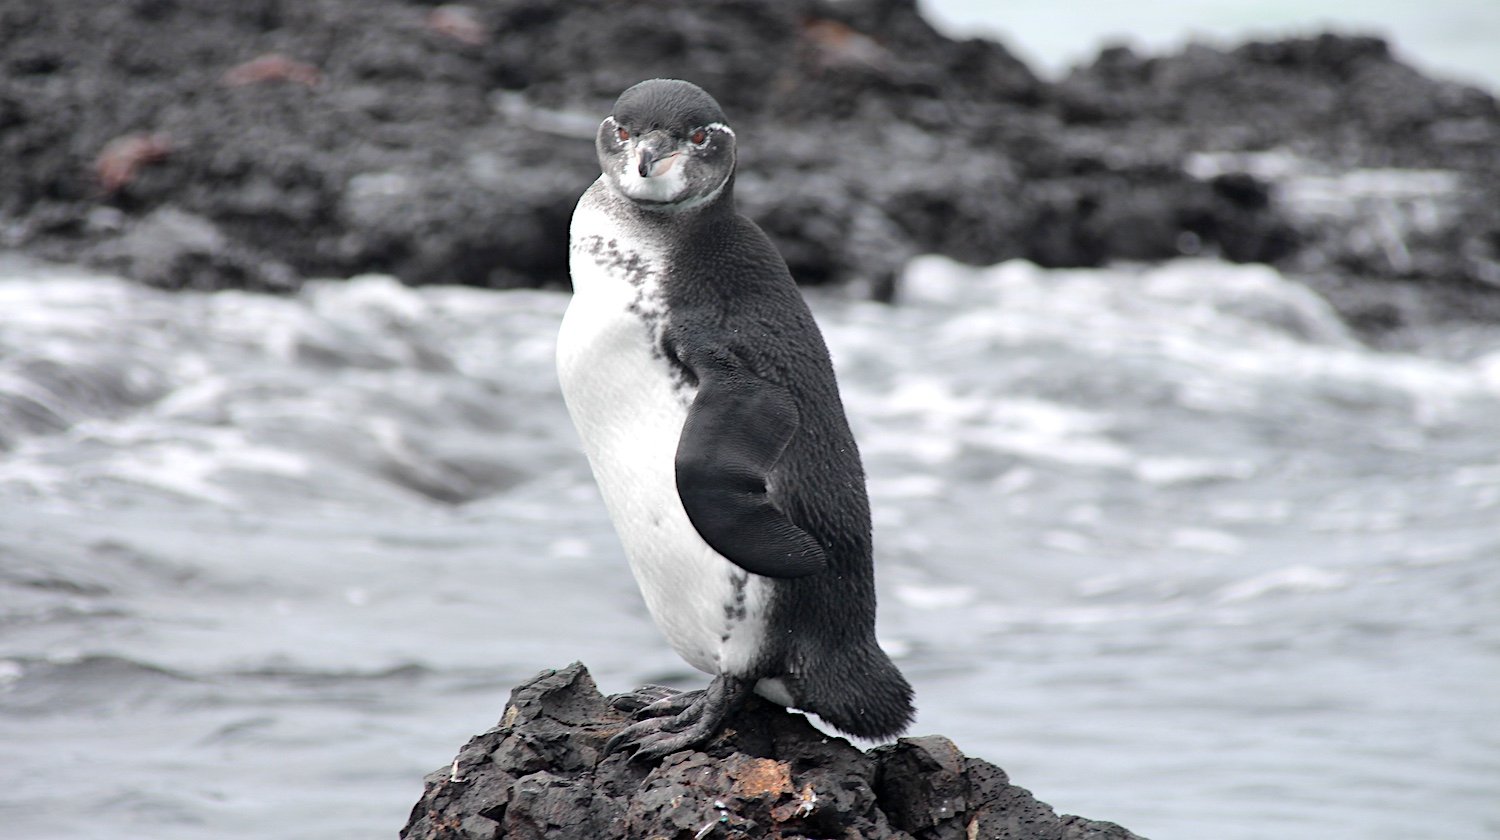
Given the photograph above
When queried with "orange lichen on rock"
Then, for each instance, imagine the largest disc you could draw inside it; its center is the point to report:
(461, 23)
(271, 67)
(121, 158)
(755, 777)
(838, 43)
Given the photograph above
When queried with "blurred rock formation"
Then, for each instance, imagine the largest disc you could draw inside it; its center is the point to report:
(257, 143)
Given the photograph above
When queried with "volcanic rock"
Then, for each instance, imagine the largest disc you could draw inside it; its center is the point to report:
(541, 773)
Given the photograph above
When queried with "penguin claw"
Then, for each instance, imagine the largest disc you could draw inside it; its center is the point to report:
(698, 717)
(667, 742)
(659, 737)
(672, 704)
(631, 702)
(635, 735)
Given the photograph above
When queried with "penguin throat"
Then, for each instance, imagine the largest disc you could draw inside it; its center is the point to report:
(665, 193)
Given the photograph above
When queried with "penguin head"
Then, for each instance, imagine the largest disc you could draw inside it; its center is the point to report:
(666, 146)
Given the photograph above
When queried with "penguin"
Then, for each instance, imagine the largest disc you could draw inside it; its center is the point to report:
(706, 402)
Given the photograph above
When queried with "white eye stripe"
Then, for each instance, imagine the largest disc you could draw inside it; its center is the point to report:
(706, 130)
(614, 128)
(716, 126)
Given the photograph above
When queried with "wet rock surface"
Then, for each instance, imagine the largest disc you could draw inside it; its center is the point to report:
(541, 774)
(259, 143)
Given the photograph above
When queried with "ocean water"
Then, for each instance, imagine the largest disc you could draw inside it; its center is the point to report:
(1453, 39)
(1167, 543)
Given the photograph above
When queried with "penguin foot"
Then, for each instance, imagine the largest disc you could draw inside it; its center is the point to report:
(671, 705)
(645, 697)
(701, 719)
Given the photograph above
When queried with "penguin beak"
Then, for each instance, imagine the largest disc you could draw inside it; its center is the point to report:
(655, 156)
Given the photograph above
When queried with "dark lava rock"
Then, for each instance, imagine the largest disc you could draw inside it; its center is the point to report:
(540, 774)
(1328, 157)
(266, 141)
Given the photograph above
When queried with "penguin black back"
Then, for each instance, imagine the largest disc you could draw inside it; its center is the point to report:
(730, 288)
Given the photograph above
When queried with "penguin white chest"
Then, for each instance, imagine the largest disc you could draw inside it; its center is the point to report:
(629, 405)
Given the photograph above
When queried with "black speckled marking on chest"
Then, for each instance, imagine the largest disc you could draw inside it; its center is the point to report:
(617, 261)
(734, 609)
(647, 304)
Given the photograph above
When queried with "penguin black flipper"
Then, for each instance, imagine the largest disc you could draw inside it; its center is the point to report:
(736, 430)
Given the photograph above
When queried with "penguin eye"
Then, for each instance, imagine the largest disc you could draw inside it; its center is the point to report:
(623, 134)
(699, 137)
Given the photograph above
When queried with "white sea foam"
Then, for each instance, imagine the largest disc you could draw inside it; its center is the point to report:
(1206, 540)
(1241, 323)
(935, 597)
(1292, 579)
(1170, 470)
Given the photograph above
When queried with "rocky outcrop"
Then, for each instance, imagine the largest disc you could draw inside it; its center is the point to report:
(541, 773)
(257, 143)
(1351, 169)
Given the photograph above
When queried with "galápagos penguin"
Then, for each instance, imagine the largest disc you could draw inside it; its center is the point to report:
(707, 405)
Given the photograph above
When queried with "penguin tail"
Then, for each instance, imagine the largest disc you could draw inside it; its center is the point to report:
(860, 694)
